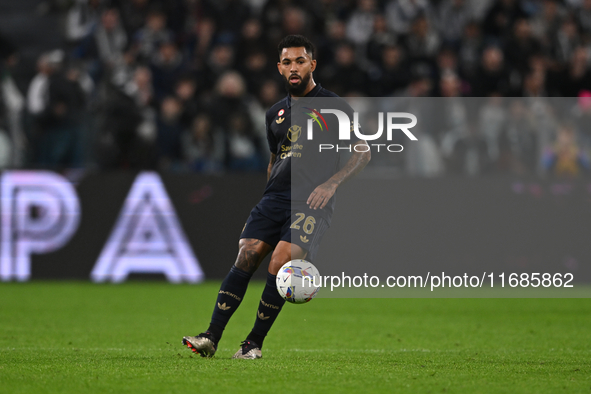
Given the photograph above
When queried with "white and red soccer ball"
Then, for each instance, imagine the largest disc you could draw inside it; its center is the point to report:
(298, 281)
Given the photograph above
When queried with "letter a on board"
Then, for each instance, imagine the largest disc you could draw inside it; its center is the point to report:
(147, 238)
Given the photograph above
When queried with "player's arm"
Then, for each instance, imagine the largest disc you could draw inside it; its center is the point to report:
(270, 167)
(272, 145)
(358, 160)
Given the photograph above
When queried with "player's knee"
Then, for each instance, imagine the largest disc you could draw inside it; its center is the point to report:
(243, 243)
(277, 261)
(297, 252)
(283, 253)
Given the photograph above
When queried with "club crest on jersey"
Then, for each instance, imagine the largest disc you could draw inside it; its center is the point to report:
(281, 112)
(294, 133)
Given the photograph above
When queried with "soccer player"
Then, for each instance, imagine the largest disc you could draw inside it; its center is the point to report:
(289, 224)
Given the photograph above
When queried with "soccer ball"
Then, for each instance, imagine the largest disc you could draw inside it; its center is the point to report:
(298, 281)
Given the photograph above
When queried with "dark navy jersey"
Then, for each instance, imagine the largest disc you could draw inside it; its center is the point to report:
(300, 166)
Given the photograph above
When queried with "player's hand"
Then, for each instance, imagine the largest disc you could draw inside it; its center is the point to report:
(320, 196)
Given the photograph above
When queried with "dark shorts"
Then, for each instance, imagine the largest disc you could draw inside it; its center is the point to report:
(272, 222)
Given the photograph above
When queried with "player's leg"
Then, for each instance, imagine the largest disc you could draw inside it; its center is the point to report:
(250, 255)
(300, 238)
(271, 302)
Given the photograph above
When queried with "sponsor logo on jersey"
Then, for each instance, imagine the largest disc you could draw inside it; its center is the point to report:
(294, 133)
(304, 239)
(279, 121)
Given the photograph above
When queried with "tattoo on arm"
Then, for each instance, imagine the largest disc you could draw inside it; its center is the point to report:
(354, 165)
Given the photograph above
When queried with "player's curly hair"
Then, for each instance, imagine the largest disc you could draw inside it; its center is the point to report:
(296, 41)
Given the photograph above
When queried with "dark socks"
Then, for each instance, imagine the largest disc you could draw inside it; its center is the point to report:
(229, 298)
(269, 308)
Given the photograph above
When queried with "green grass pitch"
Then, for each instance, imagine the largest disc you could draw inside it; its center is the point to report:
(74, 337)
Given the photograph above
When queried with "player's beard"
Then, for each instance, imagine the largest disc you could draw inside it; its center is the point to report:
(300, 88)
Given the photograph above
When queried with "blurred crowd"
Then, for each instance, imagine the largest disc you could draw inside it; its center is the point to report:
(184, 84)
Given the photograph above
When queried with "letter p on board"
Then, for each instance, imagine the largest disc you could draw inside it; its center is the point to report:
(40, 212)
